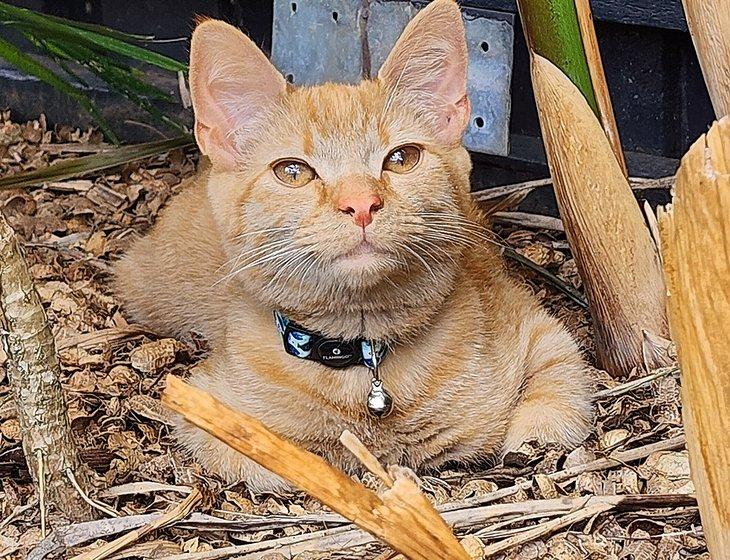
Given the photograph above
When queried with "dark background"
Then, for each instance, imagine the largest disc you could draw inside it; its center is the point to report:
(659, 96)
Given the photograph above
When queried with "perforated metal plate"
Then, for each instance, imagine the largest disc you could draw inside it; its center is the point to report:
(317, 41)
(312, 46)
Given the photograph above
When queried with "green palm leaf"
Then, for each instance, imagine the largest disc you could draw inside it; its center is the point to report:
(74, 167)
(76, 33)
(25, 63)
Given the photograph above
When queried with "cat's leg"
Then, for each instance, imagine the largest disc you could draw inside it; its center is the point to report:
(216, 457)
(556, 402)
(225, 381)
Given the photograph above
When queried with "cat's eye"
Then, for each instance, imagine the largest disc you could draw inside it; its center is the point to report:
(293, 172)
(403, 159)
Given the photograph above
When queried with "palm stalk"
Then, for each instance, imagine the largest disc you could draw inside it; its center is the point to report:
(616, 257)
(562, 32)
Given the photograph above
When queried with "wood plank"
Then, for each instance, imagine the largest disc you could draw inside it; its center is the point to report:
(695, 235)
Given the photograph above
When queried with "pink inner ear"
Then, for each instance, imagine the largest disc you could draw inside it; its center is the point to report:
(428, 66)
(232, 85)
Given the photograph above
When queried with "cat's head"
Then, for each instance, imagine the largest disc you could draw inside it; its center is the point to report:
(337, 188)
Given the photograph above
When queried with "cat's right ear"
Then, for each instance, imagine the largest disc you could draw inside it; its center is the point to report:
(231, 84)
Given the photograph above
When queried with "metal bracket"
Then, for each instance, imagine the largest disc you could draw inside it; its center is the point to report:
(312, 45)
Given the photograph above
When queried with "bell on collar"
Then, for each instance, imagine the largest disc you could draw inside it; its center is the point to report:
(380, 403)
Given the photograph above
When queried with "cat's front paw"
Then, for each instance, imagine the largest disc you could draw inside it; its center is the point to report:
(566, 424)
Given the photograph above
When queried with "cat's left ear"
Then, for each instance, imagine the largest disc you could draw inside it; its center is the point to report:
(428, 67)
(232, 84)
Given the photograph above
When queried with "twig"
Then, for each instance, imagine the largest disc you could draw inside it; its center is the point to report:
(624, 388)
(371, 463)
(350, 537)
(84, 496)
(175, 514)
(17, 510)
(616, 459)
(341, 537)
(142, 487)
(327, 540)
(548, 527)
(506, 190)
(637, 184)
(535, 221)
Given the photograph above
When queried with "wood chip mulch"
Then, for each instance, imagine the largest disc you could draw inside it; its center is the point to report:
(112, 371)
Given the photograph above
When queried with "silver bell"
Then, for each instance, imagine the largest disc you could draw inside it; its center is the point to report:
(380, 403)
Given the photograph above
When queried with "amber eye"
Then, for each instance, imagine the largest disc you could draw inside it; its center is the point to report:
(403, 159)
(293, 172)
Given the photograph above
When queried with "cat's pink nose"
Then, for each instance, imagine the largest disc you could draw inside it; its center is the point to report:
(361, 207)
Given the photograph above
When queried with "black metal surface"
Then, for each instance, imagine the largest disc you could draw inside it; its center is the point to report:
(666, 14)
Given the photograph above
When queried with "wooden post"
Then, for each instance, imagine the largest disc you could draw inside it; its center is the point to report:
(34, 375)
(695, 235)
(613, 249)
(709, 25)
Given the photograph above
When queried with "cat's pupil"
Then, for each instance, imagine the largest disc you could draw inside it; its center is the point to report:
(293, 170)
(397, 157)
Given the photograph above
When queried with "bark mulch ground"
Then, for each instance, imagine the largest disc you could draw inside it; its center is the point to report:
(72, 230)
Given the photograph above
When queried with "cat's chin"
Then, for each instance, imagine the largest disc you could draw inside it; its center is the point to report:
(365, 260)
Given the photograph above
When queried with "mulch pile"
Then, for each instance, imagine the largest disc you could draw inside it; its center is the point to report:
(113, 371)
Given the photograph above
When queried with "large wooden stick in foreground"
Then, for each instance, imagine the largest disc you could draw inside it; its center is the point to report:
(709, 25)
(613, 249)
(34, 375)
(402, 516)
(695, 235)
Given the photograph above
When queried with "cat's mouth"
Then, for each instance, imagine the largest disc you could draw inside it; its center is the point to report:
(363, 254)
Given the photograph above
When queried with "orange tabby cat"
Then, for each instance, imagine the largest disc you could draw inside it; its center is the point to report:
(347, 209)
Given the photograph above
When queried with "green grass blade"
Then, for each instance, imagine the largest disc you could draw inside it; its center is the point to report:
(40, 23)
(30, 66)
(74, 167)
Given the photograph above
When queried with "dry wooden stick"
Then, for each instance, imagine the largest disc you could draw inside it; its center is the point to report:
(371, 463)
(709, 25)
(543, 529)
(696, 246)
(349, 537)
(614, 460)
(34, 375)
(598, 79)
(491, 193)
(402, 516)
(175, 514)
(629, 386)
(529, 220)
(616, 257)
